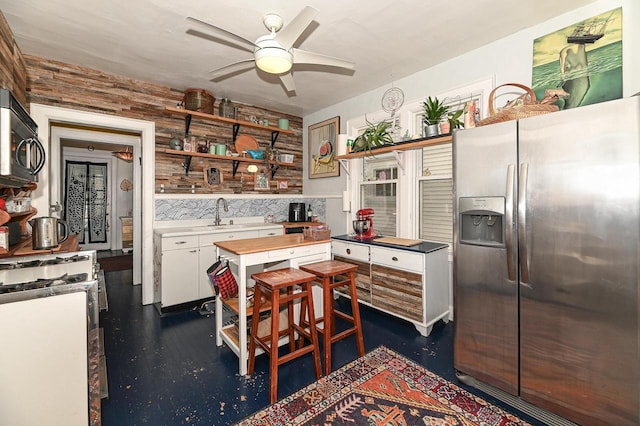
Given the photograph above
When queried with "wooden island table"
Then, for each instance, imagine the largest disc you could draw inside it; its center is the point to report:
(254, 255)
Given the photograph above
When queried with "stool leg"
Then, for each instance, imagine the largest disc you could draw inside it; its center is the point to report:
(292, 335)
(312, 329)
(328, 322)
(303, 320)
(273, 350)
(355, 311)
(255, 320)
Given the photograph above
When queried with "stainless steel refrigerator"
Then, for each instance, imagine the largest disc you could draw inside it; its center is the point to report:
(546, 254)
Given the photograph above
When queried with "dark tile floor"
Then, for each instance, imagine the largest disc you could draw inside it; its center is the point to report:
(168, 370)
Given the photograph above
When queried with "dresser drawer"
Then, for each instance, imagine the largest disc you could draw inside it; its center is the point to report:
(400, 259)
(350, 250)
(177, 243)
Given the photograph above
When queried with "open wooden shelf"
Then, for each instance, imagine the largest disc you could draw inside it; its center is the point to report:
(402, 146)
(213, 117)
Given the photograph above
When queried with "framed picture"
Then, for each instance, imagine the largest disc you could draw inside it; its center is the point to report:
(583, 59)
(212, 177)
(283, 184)
(261, 182)
(322, 144)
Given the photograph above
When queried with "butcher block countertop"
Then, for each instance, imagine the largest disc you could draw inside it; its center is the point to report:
(256, 245)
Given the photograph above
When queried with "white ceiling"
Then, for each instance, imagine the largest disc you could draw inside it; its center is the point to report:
(387, 40)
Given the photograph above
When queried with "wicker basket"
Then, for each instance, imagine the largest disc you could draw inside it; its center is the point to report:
(526, 106)
(198, 100)
(316, 233)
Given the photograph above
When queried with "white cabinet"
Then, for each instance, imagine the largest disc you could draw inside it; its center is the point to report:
(408, 284)
(181, 263)
(179, 270)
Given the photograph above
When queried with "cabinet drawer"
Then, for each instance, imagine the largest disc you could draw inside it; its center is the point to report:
(401, 259)
(295, 251)
(350, 250)
(270, 232)
(176, 243)
(209, 239)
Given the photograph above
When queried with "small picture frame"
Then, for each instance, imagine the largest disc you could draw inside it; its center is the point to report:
(283, 184)
(261, 182)
(212, 177)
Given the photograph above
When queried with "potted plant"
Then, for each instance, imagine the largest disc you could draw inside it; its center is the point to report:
(375, 135)
(434, 112)
(453, 118)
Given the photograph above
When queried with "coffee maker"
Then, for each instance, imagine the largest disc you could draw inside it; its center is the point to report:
(363, 225)
(297, 212)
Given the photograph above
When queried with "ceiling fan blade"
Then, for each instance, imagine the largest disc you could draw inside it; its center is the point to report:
(304, 57)
(236, 66)
(243, 42)
(294, 29)
(287, 80)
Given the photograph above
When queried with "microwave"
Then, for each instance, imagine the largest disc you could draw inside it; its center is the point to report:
(22, 155)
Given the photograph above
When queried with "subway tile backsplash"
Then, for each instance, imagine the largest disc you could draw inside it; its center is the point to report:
(189, 209)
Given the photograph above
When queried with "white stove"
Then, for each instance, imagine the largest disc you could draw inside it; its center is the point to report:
(49, 334)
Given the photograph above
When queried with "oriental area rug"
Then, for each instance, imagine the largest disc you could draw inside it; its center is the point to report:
(382, 388)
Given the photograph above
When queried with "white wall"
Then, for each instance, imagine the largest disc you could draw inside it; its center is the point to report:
(507, 60)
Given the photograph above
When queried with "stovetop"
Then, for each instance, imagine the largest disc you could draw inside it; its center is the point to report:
(40, 271)
(43, 283)
(43, 262)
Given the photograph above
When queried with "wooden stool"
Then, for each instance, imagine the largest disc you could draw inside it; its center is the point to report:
(270, 283)
(330, 275)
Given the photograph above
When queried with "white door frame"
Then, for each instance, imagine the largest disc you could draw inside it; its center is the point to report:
(143, 202)
(95, 156)
(90, 137)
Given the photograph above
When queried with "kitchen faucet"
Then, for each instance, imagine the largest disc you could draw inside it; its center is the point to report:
(226, 209)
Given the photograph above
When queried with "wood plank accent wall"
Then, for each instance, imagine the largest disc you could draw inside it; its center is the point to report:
(13, 69)
(76, 87)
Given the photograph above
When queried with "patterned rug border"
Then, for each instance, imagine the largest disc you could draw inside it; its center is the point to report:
(328, 390)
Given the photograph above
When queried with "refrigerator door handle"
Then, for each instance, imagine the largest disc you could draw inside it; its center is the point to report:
(522, 224)
(511, 264)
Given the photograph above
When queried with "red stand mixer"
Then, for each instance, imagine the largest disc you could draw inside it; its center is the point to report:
(363, 225)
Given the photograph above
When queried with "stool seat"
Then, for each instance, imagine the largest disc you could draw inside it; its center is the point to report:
(278, 287)
(330, 274)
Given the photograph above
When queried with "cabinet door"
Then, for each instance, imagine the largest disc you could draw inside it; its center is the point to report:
(363, 278)
(179, 276)
(397, 291)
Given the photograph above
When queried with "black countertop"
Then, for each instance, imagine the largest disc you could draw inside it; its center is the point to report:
(423, 247)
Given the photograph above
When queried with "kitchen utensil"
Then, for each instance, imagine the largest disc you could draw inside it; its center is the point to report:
(221, 150)
(286, 158)
(283, 123)
(360, 226)
(256, 154)
(245, 143)
(48, 232)
(364, 231)
(297, 212)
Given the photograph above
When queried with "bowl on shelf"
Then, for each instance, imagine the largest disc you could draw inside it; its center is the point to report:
(286, 158)
(256, 154)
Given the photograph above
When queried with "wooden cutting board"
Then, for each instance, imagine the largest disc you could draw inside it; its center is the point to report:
(398, 241)
(245, 143)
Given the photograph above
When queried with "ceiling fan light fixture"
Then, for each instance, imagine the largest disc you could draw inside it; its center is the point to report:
(274, 60)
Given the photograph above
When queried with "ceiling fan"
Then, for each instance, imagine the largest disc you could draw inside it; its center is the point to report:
(274, 53)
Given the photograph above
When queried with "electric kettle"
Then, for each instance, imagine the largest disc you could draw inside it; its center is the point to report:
(48, 232)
